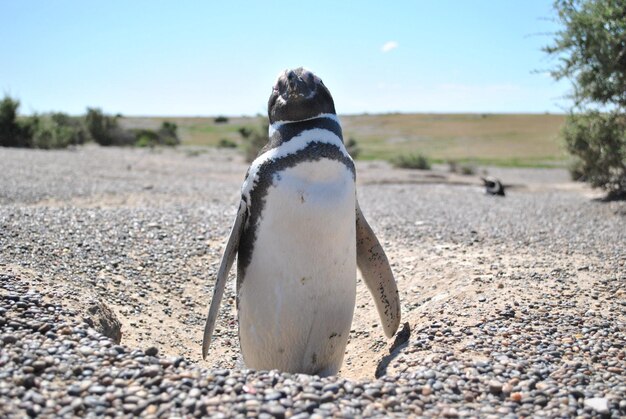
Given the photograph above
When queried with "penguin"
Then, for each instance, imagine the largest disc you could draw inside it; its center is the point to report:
(493, 186)
(299, 235)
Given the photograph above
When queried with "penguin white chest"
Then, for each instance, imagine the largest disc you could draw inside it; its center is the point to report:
(297, 297)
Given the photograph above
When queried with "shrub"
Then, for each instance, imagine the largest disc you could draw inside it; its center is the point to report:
(466, 169)
(220, 120)
(104, 129)
(226, 143)
(57, 130)
(353, 148)
(254, 140)
(168, 134)
(411, 161)
(12, 133)
(145, 138)
(598, 140)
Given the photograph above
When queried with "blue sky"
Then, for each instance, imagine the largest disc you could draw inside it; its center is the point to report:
(222, 57)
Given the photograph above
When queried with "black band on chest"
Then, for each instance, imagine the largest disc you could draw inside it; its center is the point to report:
(286, 132)
(314, 151)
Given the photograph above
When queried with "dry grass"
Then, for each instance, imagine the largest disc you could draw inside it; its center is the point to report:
(511, 139)
(201, 131)
(500, 139)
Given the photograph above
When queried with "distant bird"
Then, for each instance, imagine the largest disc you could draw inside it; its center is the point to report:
(493, 186)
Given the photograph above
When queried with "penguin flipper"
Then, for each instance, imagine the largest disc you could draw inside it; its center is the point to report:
(374, 266)
(222, 275)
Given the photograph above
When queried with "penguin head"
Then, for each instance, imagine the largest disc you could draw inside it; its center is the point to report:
(297, 95)
(493, 186)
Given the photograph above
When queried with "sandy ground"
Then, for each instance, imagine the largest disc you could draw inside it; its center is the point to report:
(444, 279)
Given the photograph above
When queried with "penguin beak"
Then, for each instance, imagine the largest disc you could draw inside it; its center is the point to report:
(290, 85)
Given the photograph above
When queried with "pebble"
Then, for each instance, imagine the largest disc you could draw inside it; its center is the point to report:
(598, 404)
(495, 387)
(152, 351)
(534, 342)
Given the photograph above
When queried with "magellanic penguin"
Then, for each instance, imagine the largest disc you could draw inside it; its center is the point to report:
(493, 186)
(299, 235)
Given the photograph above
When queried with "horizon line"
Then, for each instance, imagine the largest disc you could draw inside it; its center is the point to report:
(349, 114)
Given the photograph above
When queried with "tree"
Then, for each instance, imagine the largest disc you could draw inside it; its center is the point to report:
(591, 52)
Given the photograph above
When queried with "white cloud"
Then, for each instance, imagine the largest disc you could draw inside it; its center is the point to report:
(391, 45)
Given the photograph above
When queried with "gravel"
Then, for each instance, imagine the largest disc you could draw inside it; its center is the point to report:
(515, 305)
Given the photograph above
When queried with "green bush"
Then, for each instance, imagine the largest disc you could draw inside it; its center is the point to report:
(226, 143)
(598, 141)
(220, 120)
(12, 132)
(168, 134)
(145, 138)
(353, 148)
(57, 130)
(466, 169)
(104, 129)
(411, 161)
(254, 140)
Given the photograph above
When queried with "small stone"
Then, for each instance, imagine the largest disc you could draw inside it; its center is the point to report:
(373, 393)
(85, 350)
(152, 351)
(450, 412)
(276, 410)
(332, 387)
(273, 395)
(151, 371)
(97, 389)
(39, 366)
(599, 404)
(310, 396)
(495, 387)
(77, 403)
(9, 339)
(74, 390)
